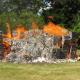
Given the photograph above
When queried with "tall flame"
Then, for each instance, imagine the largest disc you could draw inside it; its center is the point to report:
(34, 26)
(56, 30)
(8, 30)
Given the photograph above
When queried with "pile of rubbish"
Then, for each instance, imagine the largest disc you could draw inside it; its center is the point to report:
(50, 44)
(35, 46)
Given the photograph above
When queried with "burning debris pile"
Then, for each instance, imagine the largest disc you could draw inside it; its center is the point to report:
(36, 45)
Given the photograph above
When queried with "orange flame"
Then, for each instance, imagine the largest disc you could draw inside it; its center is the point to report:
(8, 35)
(19, 34)
(8, 32)
(19, 31)
(56, 30)
(6, 48)
(34, 26)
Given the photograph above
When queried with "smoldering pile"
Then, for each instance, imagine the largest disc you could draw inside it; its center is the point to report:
(35, 46)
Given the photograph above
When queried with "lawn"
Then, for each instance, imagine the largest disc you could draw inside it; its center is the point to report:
(44, 71)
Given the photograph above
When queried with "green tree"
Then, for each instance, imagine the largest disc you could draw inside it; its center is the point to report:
(64, 12)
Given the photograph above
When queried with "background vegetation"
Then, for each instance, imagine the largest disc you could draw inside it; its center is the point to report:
(64, 12)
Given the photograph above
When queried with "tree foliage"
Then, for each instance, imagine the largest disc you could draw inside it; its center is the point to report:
(64, 12)
(19, 5)
(20, 12)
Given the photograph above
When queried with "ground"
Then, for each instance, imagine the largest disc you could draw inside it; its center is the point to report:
(44, 71)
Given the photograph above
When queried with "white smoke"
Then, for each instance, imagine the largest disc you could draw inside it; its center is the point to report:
(47, 7)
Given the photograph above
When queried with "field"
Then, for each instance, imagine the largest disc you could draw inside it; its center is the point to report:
(44, 71)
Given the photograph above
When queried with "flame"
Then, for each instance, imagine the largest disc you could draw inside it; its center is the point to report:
(56, 30)
(34, 26)
(8, 32)
(19, 31)
(6, 48)
(6, 44)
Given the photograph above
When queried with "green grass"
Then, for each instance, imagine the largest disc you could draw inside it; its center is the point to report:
(63, 71)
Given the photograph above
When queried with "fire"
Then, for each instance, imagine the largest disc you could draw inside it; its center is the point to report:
(6, 48)
(34, 26)
(51, 29)
(19, 31)
(56, 30)
(8, 32)
(8, 36)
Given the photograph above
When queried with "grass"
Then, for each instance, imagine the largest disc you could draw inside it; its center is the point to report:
(63, 71)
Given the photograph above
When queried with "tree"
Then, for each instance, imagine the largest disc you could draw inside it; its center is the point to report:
(19, 11)
(20, 5)
(64, 12)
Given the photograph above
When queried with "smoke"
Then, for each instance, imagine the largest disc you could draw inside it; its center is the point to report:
(47, 6)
